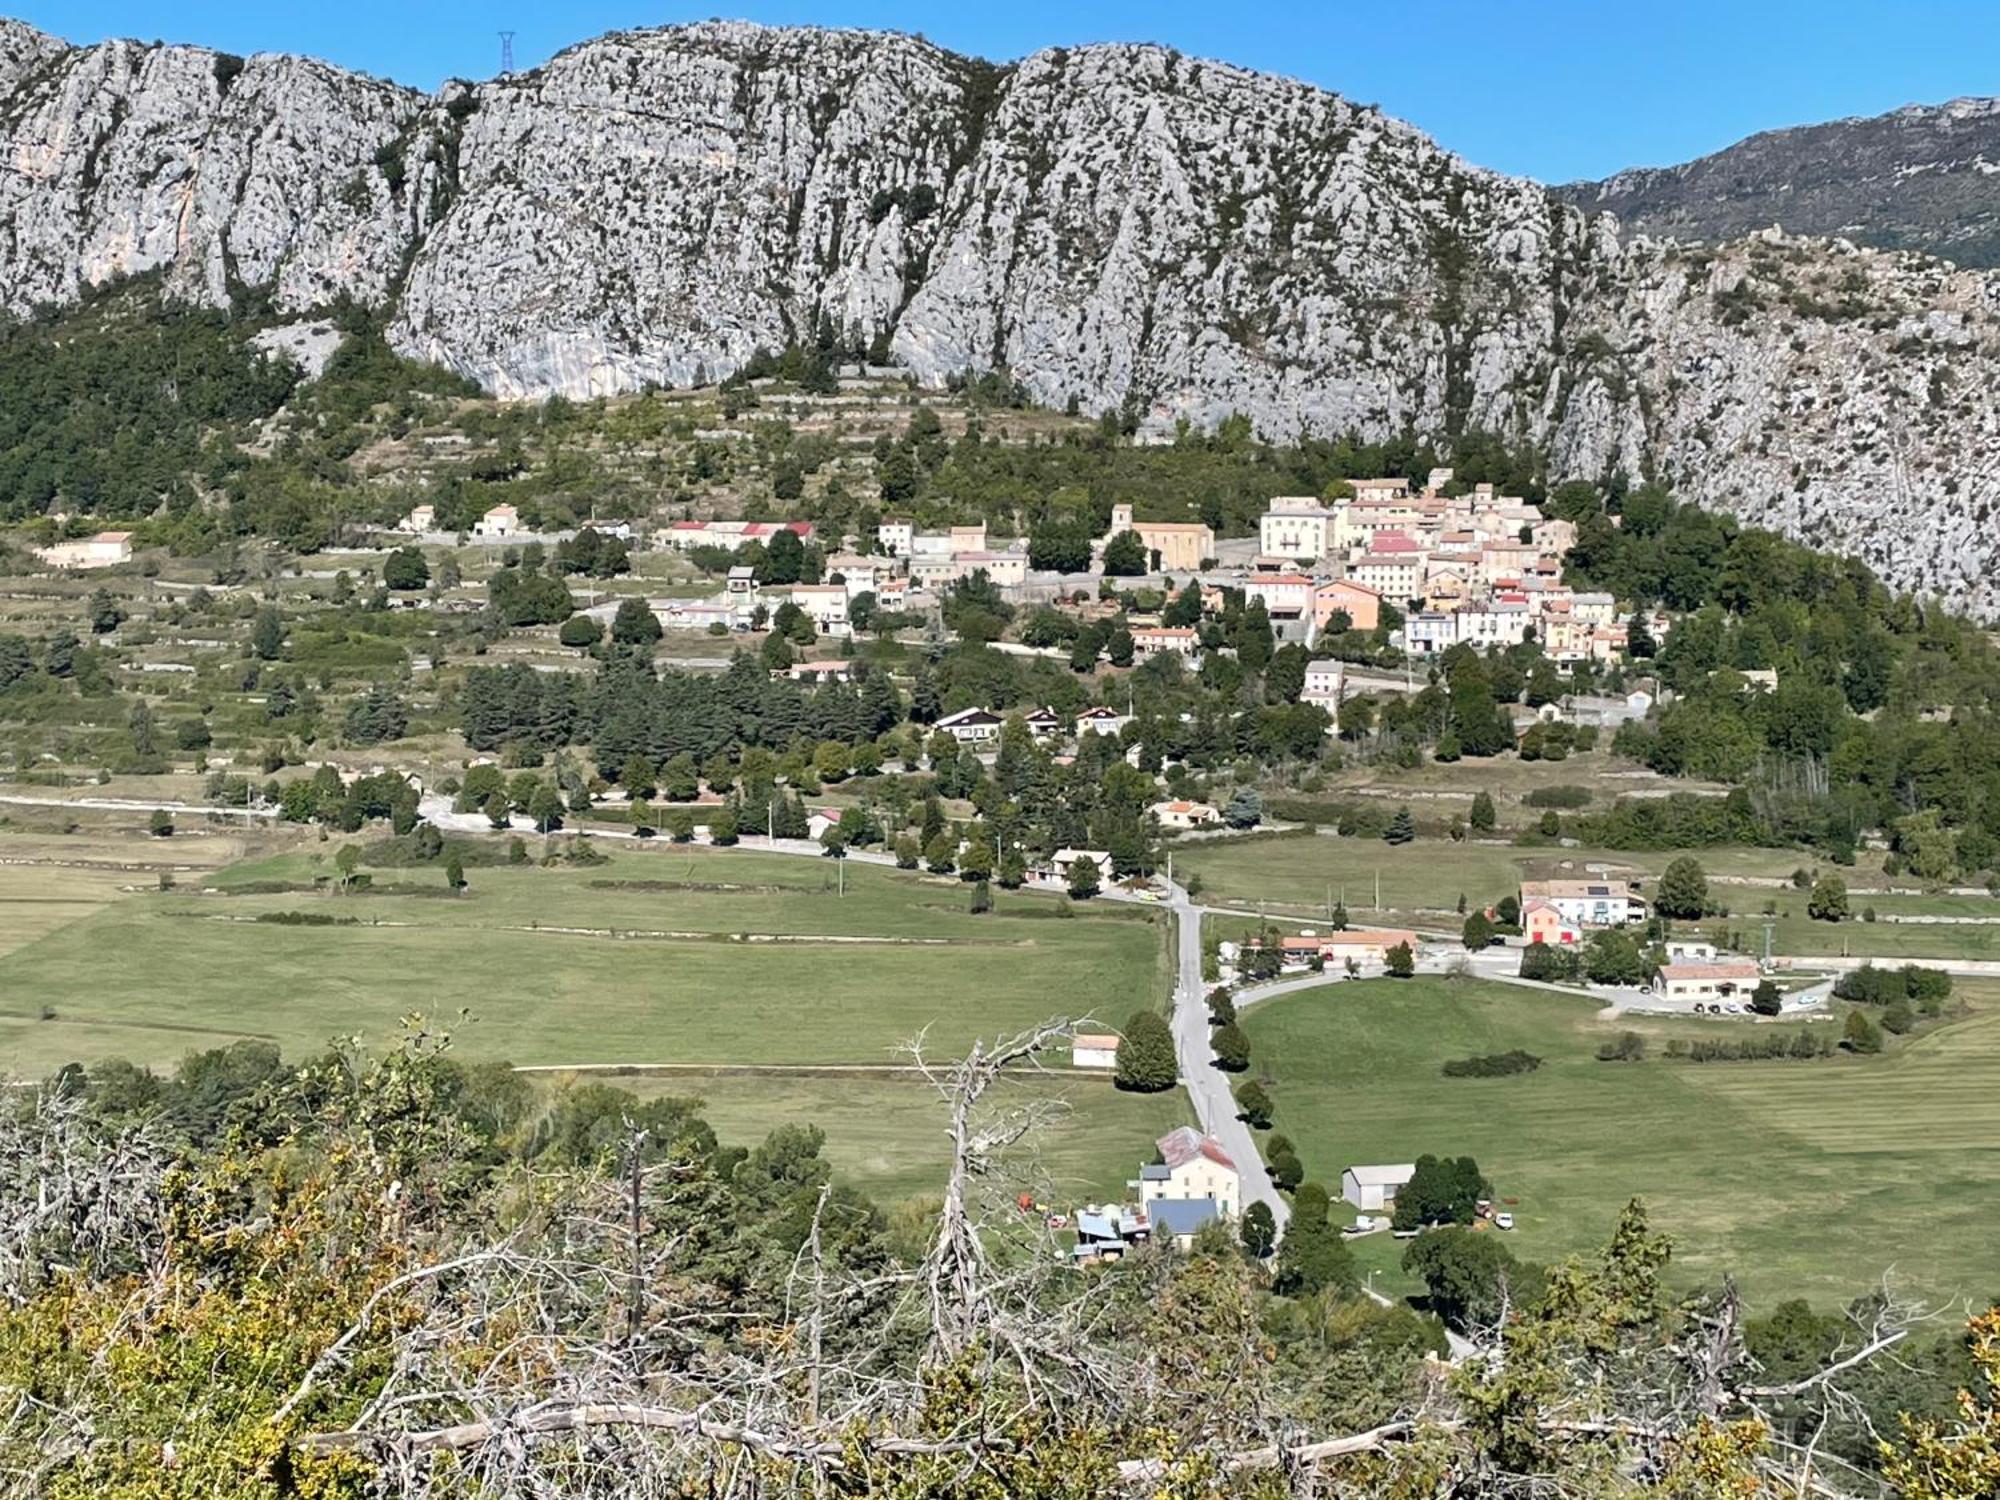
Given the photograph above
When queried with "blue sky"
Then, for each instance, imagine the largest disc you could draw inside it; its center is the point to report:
(1554, 89)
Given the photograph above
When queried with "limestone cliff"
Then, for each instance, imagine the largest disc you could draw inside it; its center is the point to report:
(1116, 226)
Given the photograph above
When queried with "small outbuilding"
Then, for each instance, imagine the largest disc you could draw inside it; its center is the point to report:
(1375, 1187)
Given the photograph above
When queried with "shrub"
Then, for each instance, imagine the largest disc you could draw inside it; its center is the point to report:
(1492, 1065)
(1627, 1046)
(1569, 798)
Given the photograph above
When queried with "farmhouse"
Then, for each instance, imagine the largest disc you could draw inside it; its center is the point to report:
(104, 550)
(1587, 903)
(1192, 1168)
(501, 520)
(971, 726)
(1706, 981)
(1183, 814)
(1375, 1187)
(1093, 1049)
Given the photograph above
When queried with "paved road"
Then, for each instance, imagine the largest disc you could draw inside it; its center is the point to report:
(1208, 1085)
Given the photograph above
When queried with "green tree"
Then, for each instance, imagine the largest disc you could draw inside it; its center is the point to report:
(1478, 931)
(267, 634)
(1125, 556)
(1402, 827)
(161, 826)
(405, 570)
(545, 808)
(1259, 1230)
(1245, 809)
(1441, 1190)
(1313, 1258)
(1468, 1277)
(1231, 1047)
(1400, 962)
(580, 632)
(1683, 890)
(1828, 901)
(1859, 1034)
(454, 871)
(1146, 1063)
(106, 615)
(1612, 957)
(1767, 999)
(1083, 877)
(1482, 817)
(1253, 1103)
(635, 624)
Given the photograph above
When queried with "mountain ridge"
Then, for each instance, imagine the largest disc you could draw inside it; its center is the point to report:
(1118, 227)
(1915, 177)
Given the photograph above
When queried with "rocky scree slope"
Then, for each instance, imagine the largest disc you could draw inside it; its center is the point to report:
(1116, 226)
(1918, 178)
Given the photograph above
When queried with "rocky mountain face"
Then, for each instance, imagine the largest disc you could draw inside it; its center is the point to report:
(1116, 226)
(1920, 178)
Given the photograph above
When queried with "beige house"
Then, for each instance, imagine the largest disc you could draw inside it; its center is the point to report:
(1721, 980)
(501, 520)
(1181, 814)
(105, 550)
(1192, 1167)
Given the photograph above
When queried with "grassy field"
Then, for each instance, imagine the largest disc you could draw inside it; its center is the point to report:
(887, 1136)
(1292, 877)
(562, 966)
(1797, 1178)
(1295, 875)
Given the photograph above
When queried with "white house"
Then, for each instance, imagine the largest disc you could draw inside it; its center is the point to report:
(501, 520)
(896, 537)
(1192, 1167)
(1375, 1187)
(1062, 859)
(1183, 814)
(1429, 634)
(1588, 903)
(1101, 721)
(971, 726)
(825, 604)
(421, 518)
(104, 550)
(1295, 526)
(1093, 1049)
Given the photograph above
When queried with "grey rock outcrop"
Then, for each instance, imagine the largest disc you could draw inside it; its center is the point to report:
(1115, 226)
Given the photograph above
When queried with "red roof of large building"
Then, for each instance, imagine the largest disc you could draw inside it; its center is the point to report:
(1180, 1146)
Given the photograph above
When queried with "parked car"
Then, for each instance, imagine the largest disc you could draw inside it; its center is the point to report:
(1503, 1221)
